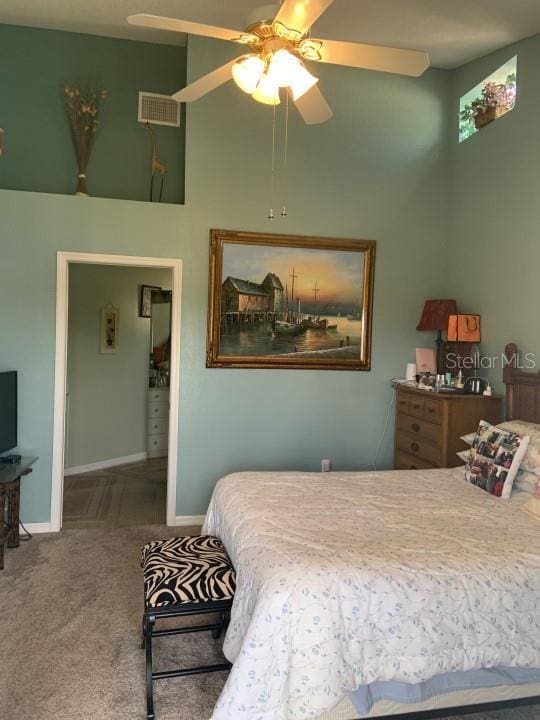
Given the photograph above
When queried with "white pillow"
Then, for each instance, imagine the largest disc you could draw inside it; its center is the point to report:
(532, 507)
(525, 482)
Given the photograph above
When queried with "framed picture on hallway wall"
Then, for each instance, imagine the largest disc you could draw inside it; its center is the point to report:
(145, 300)
(289, 301)
(108, 341)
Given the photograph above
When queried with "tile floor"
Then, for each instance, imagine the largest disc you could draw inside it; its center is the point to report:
(120, 496)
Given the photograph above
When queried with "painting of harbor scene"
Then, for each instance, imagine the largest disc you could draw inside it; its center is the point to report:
(288, 301)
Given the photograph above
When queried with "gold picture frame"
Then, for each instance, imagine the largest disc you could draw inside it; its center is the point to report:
(289, 301)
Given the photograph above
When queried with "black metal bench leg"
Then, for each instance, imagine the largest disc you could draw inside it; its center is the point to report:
(216, 634)
(149, 623)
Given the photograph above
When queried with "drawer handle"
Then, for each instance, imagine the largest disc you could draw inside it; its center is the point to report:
(413, 467)
(155, 442)
(415, 447)
(415, 427)
(416, 406)
(431, 410)
(156, 410)
(156, 427)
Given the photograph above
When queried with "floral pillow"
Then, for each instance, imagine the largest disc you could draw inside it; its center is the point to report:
(495, 458)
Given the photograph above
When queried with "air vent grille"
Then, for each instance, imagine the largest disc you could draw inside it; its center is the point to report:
(158, 109)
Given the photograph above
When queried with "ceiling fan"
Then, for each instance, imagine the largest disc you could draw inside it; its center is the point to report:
(277, 50)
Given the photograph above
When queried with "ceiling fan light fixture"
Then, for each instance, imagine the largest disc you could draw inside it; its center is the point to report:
(301, 82)
(282, 67)
(286, 70)
(267, 91)
(247, 72)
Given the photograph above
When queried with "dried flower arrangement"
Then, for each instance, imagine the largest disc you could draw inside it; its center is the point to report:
(83, 113)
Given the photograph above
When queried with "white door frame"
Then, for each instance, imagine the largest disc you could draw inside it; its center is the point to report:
(63, 260)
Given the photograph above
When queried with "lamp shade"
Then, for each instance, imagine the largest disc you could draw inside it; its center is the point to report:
(436, 313)
(464, 328)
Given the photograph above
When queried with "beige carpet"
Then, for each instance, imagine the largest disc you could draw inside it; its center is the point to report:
(124, 495)
(70, 633)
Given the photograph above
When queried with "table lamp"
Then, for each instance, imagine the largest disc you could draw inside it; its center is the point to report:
(435, 317)
(465, 328)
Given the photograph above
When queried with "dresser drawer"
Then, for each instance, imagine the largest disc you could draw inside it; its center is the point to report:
(403, 402)
(158, 442)
(158, 426)
(404, 461)
(418, 447)
(419, 428)
(158, 394)
(417, 406)
(433, 410)
(158, 410)
(421, 407)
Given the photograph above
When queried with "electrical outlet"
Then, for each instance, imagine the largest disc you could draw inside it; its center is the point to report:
(326, 465)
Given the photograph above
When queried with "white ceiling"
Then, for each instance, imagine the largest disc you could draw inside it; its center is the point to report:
(453, 31)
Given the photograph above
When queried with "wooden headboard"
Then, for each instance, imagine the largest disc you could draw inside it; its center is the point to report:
(522, 388)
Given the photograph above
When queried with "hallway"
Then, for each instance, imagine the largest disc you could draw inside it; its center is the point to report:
(120, 496)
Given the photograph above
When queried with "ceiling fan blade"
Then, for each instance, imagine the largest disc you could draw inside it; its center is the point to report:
(183, 26)
(301, 14)
(373, 57)
(313, 107)
(205, 84)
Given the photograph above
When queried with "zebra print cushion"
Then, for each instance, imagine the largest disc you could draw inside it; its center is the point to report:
(186, 570)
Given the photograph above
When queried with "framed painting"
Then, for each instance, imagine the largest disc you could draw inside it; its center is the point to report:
(145, 300)
(289, 301)
(108, 342)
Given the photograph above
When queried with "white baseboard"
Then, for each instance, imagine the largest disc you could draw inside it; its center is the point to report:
(184, 520)
(102, 464)
(36, 528)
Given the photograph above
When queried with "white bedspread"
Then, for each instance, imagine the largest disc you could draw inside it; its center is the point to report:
(348, 578)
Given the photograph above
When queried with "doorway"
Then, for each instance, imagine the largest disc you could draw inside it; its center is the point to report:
(122, 473)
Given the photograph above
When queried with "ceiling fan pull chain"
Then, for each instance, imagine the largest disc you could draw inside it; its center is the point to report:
(285, 151)
(272, 179)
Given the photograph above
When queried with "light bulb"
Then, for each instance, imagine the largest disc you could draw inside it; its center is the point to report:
(247, 72)
(301, 82)
(282, 67)
(267, 91)
(286, 70)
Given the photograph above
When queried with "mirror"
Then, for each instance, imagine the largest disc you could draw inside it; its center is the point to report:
(160, 338)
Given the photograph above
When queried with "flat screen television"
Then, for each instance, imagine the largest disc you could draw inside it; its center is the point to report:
(8, 410)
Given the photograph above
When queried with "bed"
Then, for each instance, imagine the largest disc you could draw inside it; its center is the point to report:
(352, 580)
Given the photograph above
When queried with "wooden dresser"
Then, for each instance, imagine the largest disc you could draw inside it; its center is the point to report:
(158, 422)
(429, 426)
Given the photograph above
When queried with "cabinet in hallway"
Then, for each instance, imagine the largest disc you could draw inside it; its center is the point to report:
(158, 422)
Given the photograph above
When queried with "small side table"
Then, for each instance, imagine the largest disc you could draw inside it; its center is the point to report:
(10, 495)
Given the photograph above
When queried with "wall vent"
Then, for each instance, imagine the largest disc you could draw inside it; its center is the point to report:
(158, 109)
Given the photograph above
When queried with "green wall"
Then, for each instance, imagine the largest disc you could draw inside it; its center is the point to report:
(495, 251)
(35, 65)
(108, 394)
(378, 170)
